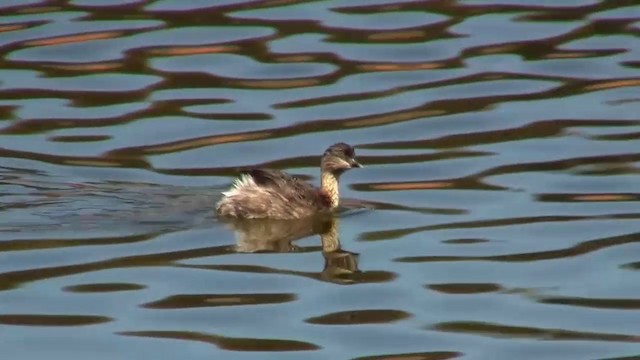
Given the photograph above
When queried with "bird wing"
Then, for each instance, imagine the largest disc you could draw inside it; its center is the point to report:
(286, 184)
(270, 178)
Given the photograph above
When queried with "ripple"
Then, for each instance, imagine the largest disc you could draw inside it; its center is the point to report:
(588, 197)
(16, 3)
(318, 11)
(196, 35)
(178, 5)
(495, 28)
(235, 66)
(51, 41)
(410, 53)
(465, 241)
(105, 3)
(501, 331)
(542, 3)
(105, 287)
(620, 304)
(580, 249)
(500, 179)
(89, 83)
(207, 300)
(435, 355)
(52, 320)
(79, 138)
(114, 48)
(467, 288)
(227, 343)
(359, 317)
(36, 115)
(12, 279)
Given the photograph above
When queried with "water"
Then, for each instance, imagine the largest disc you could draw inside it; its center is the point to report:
(496, 216)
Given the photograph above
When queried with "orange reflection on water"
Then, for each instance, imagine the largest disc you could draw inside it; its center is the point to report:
(105, 66)
(69, 39)
(192, 50)
(92, 162)
(418, 185)
(11, 27)
(400, 67)
(38, 9)
(204, 141)
(613, 84)
(395, 117)
(604, 197)
(567, 55)
(499, 49)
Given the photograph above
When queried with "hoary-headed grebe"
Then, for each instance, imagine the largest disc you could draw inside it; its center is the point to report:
(273, 194)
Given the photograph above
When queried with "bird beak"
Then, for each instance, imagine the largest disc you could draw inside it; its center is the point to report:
(355, 164)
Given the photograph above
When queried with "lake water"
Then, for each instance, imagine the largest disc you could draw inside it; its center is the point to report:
(497, 216)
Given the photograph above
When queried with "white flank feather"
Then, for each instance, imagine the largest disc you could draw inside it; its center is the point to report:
(244, 181)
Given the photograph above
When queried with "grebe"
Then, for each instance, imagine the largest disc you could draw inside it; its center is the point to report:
(273, 194)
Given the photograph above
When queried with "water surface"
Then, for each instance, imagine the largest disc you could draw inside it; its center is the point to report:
(496, 216)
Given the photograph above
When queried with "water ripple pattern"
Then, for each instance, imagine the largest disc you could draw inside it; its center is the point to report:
(497, 216)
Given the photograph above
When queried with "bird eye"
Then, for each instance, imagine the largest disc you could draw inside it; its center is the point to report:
(349, 152)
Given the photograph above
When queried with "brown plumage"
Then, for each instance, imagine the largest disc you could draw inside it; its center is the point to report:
(273, 194)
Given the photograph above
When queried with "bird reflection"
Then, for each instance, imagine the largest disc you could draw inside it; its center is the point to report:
(268, 235)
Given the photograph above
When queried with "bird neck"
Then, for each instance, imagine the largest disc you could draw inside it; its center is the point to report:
(329, 184)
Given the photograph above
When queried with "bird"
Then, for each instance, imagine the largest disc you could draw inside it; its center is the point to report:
(274, 194)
